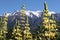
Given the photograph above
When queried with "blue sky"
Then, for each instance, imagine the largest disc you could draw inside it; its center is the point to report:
(12, 5)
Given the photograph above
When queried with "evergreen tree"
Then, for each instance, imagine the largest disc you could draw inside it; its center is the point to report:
(48, 26)
(17, 31)
(4, 26)
(27, 33)
(1, 28)
(58, 30)
(22, 18)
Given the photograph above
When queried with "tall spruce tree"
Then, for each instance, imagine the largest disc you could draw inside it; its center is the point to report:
(16, 34)
(22, 18)
(27, 33)
(48, 26)
(4, 26)
(1, 29)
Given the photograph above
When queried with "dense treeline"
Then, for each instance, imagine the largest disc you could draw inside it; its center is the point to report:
(48, 28)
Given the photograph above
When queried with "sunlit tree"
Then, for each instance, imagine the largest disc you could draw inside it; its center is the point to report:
(48, 24)
(27, 33)
(1, 28)
(16, 34)
(47, 28)
(4, 26)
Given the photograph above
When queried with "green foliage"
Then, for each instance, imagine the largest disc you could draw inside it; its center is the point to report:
(16, 34)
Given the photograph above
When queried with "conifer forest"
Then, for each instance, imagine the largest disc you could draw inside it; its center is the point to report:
(48, 28)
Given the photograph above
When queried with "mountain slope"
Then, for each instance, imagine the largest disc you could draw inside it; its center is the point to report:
(34, 18)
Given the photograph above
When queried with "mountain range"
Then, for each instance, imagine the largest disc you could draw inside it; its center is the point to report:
(34, 18)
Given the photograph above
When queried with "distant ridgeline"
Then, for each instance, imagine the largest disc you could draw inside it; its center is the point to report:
(24, 25)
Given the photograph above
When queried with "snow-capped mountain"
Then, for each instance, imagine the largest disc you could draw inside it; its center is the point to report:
(29, 13)
(34, 18)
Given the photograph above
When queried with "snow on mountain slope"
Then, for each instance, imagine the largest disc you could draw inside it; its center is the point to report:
(34, 17)
(30, 13)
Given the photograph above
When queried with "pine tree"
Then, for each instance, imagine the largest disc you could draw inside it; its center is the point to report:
(27, 33)
(53, 27)
(22, 18)
(17, 31)
(48, 24)
(1, 28)
(44, 24)
(47, 28)
(4, 26)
